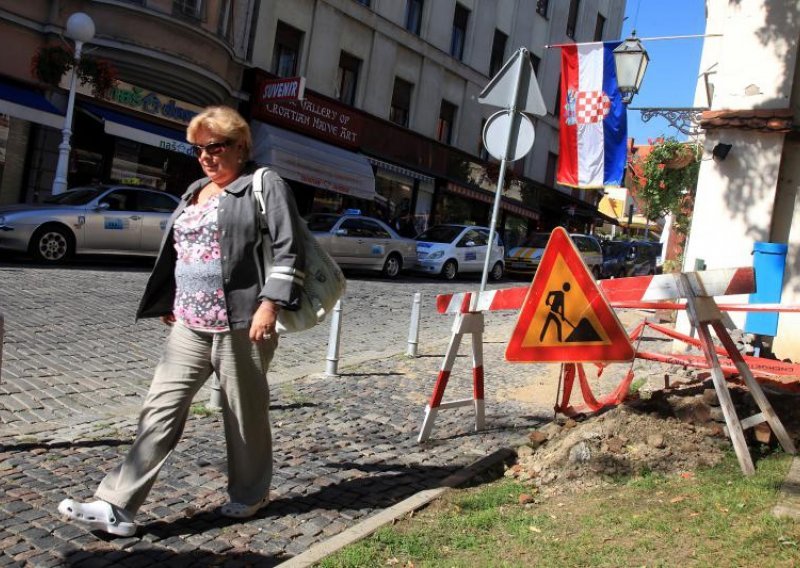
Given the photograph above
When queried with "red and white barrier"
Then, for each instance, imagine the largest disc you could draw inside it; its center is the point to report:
(635, 292)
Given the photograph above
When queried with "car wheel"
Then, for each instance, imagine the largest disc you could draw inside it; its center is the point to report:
(449, 270)
(392, 266)
(52, 244)
(497, 271)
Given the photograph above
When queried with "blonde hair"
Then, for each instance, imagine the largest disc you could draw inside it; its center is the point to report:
(223, 121)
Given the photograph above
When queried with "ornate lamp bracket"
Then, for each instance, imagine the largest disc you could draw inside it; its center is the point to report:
(685, 120)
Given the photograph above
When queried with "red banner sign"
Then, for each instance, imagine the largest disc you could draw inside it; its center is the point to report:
(314, 115)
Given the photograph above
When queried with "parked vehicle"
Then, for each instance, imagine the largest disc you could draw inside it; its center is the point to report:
(525, 258)
(449, 250)
(357, 241)
(628, 258)
(115, 219)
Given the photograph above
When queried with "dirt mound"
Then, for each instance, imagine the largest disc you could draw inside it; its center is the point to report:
(671, 435)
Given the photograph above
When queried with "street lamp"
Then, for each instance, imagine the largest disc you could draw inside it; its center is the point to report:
(630, 60)
(80, 28)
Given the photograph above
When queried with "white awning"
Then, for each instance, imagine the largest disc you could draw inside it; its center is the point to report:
(297, 157)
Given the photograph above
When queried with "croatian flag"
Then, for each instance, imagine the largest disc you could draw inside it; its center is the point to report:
(594, 126)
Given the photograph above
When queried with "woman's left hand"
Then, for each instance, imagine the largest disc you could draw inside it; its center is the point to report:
(263, 326)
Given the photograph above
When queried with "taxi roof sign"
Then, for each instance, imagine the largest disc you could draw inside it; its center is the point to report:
(565, 318)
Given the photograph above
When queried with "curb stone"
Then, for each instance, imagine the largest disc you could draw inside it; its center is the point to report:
(415, 502)
(789, 497)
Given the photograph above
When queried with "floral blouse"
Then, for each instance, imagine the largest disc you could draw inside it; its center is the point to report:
(199, 298)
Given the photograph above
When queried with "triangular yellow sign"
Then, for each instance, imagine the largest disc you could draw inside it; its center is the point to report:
(565, 317)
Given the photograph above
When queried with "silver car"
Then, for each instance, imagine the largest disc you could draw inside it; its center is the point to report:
(356, 241)
(114, 219)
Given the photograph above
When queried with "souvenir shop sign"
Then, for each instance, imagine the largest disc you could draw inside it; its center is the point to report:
(314, 115)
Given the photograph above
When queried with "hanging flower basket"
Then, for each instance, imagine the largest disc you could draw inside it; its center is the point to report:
(51, 62)
(682, 158)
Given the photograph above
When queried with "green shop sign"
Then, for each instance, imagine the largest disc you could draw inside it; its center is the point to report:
(153, 103)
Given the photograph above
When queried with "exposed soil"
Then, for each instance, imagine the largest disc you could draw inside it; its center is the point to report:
(673, 432)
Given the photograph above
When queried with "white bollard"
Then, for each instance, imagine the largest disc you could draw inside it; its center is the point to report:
(215, 400)
(413, 330)
(332, 360)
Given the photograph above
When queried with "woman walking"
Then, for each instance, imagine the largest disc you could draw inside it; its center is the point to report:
(208, 285)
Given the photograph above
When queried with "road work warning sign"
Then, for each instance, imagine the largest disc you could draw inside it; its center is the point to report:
(565, 318)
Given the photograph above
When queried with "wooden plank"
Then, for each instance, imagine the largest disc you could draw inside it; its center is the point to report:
(720, 386)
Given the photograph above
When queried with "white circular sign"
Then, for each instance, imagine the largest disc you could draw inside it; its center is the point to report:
(495, 135)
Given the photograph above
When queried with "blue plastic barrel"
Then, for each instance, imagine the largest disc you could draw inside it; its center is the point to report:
(769, 262)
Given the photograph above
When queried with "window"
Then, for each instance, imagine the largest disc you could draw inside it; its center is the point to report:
(363, 2)
(572, 18)
(286, 54)
(460, 19)
(401, 102)
(498, 52)
(446, 122)
(151, 202)
(541, 7)
(347, 80)
(474, 237)
(599, 27)
(535, 61)
(550, 172)
(225, 18)
(414, 16)
(194, 9)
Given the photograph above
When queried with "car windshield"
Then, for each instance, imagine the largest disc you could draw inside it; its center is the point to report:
(440, 234)
(536, 240)
(321, 222)
(80, 196)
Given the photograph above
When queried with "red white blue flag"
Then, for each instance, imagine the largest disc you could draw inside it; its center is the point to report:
(594, 128)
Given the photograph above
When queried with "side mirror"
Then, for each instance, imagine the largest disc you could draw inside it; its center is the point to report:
(340, 232)
(102, 206)
(470, 243)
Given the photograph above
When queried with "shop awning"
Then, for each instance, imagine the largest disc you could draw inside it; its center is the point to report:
(30, 105)
(132, 128)
(388, 166)
(310, 161)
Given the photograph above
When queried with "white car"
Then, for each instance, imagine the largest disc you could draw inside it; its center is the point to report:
(116, 219)
(525, 258)
(449, 250)
(356, 241)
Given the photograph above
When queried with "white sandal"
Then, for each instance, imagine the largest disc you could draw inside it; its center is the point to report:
(99, 515)
(241, 511)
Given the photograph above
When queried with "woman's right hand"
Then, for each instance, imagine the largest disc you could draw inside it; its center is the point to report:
(168, 319)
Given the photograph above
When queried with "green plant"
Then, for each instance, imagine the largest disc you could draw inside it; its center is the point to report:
(50, 63)
(668, 189)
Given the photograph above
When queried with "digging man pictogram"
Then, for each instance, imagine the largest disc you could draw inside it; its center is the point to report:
(584, 331)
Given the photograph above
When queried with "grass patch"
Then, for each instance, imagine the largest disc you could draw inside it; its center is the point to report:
(711, 517)
(201, 410)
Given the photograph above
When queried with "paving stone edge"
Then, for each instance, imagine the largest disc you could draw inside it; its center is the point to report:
(370, 525)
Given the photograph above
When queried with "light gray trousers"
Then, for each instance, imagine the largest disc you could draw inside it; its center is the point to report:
(188, 360)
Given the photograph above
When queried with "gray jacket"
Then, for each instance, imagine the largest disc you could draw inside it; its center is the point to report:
(240, 239)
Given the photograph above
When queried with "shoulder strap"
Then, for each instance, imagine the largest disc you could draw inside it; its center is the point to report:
(258, 189)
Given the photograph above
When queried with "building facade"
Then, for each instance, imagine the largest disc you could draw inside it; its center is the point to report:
(747, 190)
(407, 74)
(171, 58)
(389, 124)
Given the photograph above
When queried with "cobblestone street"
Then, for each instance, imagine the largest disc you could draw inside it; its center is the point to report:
(75, 367)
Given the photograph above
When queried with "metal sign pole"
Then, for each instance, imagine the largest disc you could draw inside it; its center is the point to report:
(512, 135)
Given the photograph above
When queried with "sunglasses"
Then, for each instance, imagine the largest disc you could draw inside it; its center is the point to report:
(212, 149)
